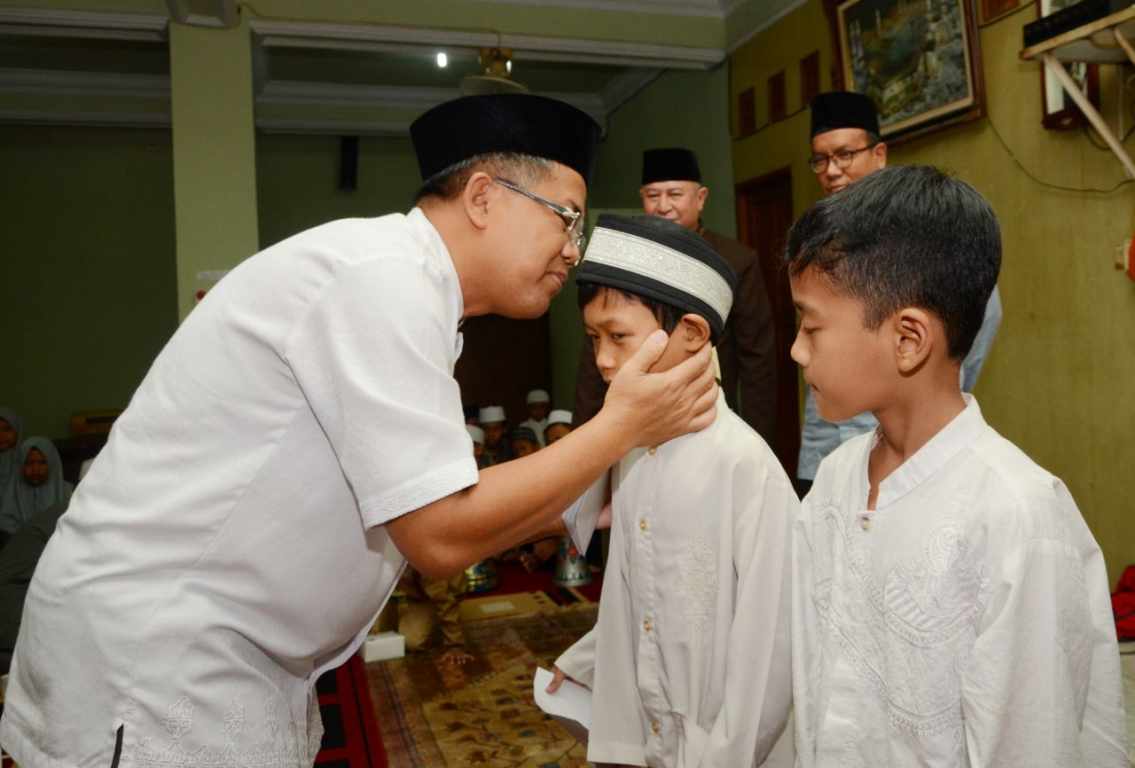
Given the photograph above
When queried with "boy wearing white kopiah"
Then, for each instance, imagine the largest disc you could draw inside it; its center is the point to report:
(689, 660)
(538, 404)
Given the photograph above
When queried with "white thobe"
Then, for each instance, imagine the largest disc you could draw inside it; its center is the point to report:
(691, 649)
(228, 544)
(538, 427)
(963, 622)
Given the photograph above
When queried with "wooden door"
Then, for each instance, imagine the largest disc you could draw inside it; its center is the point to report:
(764, 216)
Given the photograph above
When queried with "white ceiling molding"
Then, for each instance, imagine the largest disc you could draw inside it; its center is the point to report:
(299, 127)
(395, 97)
(368, 36)
(85, 118)
(704, 8)
(341, 95)
(363, 46)
(622, 88)
(84, 24)
(59, 83)
(765, 24)
(62, 83)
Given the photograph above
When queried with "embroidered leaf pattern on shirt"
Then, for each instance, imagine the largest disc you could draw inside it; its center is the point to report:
(908, 637)
(697, 584)
(271, 747)
(180, 718)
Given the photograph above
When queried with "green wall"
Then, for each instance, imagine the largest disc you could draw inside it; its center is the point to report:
(87, 268)
(297, 180)
(1058, 378)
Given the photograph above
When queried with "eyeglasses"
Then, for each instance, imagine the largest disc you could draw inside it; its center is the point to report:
(573, 220)
(842, 158)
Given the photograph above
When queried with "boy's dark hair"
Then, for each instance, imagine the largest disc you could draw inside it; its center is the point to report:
(905, 236)
(522, 170)
(666, 315)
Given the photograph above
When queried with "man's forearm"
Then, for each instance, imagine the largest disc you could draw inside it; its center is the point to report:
(518, 501)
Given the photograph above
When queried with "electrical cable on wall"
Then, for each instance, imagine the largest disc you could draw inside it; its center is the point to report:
(1043, 183)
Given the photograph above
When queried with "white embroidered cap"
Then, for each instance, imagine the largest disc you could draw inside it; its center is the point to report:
(491, 414)
(659, 259)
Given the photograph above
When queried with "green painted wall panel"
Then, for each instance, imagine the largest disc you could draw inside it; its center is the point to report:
(87, 268)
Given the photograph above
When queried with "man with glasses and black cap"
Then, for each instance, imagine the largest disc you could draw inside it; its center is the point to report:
(846, 146)
(298, 440)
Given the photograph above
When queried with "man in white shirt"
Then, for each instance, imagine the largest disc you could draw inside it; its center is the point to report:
(950, 606)
(296, 442)
(689, 660)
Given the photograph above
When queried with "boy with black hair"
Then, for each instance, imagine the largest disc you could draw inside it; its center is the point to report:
(522, 442)
(950, 605)
(689, 660)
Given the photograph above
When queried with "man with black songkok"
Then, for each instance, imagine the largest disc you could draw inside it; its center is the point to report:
(672, 189)
(846, 146)
(299, 440)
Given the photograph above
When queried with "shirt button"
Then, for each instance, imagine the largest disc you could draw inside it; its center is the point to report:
(655, 727)
(646, 625)
(653, 450)
(642, 524)
(865, 523)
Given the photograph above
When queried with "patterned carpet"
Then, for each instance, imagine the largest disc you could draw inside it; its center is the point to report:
(481, 714)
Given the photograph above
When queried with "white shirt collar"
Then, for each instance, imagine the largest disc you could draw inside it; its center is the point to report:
(951, 440)
(435, 246)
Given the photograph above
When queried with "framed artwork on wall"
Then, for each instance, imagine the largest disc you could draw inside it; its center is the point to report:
(918, 60)
(1058, 111)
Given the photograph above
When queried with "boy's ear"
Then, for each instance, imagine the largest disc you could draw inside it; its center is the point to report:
(692, 332)
(476, 198)
(915, 335)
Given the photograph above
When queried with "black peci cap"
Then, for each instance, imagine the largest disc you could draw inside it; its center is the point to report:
(505, 122)
(843, 109)
(670, 164)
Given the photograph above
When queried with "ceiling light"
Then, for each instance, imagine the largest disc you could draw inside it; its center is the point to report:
(442, 60)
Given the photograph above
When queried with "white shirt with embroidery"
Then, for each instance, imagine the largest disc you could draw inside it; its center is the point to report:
(964, 622)
(689, 661)
(228, 546)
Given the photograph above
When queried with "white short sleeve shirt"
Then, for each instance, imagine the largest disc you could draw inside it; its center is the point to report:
(227, 546)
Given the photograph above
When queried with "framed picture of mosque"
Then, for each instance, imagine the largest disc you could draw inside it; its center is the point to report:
(918, 60)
